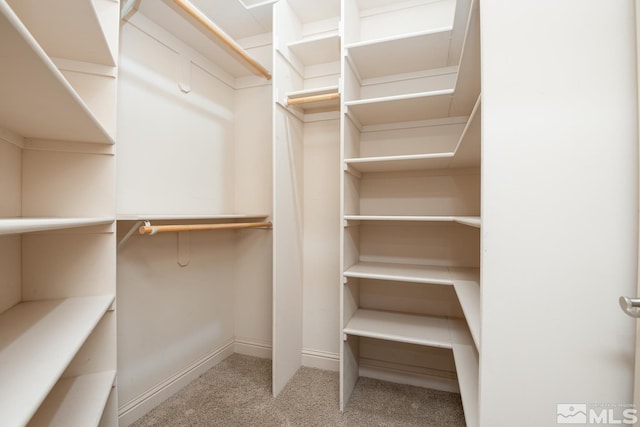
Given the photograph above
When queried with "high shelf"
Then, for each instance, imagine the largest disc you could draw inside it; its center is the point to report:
(411, 160)
(57, 240)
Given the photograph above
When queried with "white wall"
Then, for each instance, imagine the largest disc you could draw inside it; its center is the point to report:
(177, 155)
(559, 206)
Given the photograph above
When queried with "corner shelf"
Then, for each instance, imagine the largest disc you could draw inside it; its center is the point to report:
(28, 74)
(27, 225)
(466, 153)
(436, 104)
(399, 53)
(76, 401)
(38, 340)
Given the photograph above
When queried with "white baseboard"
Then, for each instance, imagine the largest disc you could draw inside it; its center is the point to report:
(136, 408)
(321, 359)
(253, 348)
(403, 374)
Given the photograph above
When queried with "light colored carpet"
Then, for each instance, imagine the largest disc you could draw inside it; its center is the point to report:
(237, 392)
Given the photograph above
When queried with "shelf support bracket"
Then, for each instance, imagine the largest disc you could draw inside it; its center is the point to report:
(130, 233)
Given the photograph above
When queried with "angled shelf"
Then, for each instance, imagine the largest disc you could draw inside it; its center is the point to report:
(409, 272)
(27, 225)
(37, 341)
(468, 292)
(85, 40)
(315, 100)
(399, 53)
(465, 155)
(27, 74)
(76, 401)
(317, 50)
(466, 359)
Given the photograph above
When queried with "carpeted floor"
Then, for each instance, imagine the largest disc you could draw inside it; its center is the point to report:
(237, 393)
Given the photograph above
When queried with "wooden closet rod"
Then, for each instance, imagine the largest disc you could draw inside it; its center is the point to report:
(224, 37)
(153, 229)
(313, 98)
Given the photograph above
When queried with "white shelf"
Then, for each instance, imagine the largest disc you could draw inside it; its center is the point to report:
(400, 327)
(179, 217)
(401, 108)
(468, 292)
(466, 154)
(83, 38)
(37, 341)
(27, 225)
(317, 50)
(401, 54)
(465, 220)
(466, 360)
(409, 272)
(38, 102)
(399, 163)
(76, 401)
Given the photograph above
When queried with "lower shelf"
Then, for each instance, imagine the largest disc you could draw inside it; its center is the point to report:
(400, 327)
(76, 401)
(428, 331)
(38, 340)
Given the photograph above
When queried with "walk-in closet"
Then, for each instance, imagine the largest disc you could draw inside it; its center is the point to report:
(389, 212)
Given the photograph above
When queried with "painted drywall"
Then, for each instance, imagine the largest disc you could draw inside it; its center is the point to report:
(559, 207)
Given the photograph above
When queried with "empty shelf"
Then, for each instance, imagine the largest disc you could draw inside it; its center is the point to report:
(401, 108)
(177, 217)
(27, 74)
(400, 272)
(317, 50)
(37, 341)
(76, 401)
(82, 39)
(26, 225)
(409, 272)
(400, 163)
(468, 293)
(472, 221)
(403, 54)
(399, 327)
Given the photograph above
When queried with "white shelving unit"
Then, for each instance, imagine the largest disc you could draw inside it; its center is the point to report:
(411, 149)
(57, 127)
(30, 74)
(324, 48)
(39, 340)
